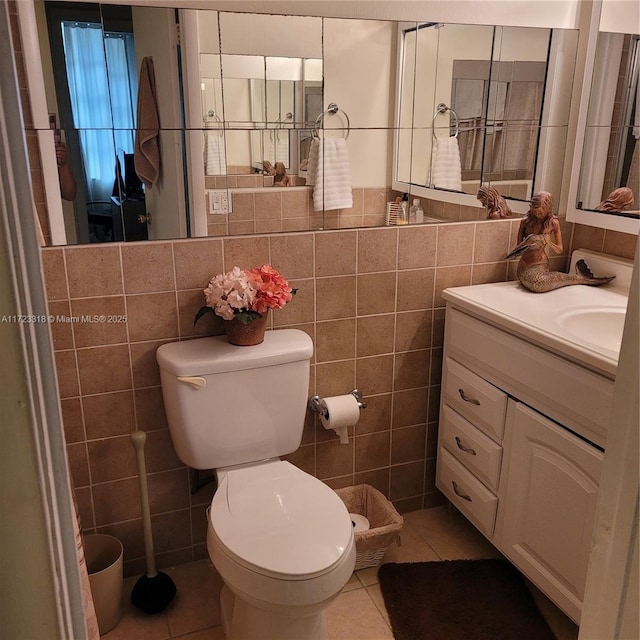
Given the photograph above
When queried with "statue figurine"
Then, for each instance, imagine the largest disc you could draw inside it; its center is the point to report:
(541, 221)
(618, 200)
(539, 229)
(493, 202)
(534, 273)
(280, 176)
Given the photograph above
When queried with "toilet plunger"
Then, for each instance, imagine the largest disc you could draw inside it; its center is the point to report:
(155, 590)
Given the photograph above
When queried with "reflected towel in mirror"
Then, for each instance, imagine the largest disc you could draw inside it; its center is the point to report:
(330, 174)
(147, 151)
(215, 156)
(446, 171)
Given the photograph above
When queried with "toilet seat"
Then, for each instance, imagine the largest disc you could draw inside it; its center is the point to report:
(278, 521)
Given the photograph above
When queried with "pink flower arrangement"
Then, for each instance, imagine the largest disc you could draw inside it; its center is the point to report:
(246, 294)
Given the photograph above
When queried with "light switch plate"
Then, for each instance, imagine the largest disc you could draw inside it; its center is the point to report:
(219, 201)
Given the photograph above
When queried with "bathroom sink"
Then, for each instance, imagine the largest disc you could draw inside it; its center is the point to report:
(600, 326)
(582, 323)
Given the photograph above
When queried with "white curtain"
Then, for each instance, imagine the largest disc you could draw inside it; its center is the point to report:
(103, 92)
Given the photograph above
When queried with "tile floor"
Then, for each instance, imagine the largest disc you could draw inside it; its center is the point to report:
(358, 613)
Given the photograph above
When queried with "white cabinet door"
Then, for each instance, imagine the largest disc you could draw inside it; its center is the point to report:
(547, 504)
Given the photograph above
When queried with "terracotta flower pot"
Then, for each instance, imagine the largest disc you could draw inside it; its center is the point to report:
(246, 335)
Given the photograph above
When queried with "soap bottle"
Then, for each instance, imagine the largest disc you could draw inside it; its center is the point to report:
(416, 214)
(403, 213)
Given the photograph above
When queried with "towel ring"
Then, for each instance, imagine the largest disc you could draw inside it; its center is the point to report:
(332, 109)
(213, 121)
(442, 109)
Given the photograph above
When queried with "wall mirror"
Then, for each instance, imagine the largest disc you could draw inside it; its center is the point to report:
(485, 105)
(228, 103)
(604, 190)
(611, 153)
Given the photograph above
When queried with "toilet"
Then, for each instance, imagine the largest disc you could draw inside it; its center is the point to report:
(281, 539)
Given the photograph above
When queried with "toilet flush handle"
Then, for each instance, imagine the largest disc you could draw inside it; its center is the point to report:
(196, 381)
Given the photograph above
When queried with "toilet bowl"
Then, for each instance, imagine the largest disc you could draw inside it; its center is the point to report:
(283, 543)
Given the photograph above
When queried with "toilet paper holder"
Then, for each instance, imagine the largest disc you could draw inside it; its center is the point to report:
(317, 404)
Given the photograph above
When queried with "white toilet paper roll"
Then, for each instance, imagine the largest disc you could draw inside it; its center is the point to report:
(341, 412)
(359, 522)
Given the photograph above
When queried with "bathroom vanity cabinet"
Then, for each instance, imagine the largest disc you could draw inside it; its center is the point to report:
(521, 439)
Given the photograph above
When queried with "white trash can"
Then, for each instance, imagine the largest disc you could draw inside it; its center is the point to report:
(103, 555)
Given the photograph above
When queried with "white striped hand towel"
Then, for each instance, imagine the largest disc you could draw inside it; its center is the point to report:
(332, 179)
(445, 164)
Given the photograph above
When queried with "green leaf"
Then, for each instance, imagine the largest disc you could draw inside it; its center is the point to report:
(201, 312)
(247, 316)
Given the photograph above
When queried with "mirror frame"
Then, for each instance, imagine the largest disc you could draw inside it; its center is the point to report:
(613, 18)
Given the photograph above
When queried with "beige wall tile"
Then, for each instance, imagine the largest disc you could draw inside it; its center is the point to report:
(244, 206)
(245, 253)
(449, 277)
(412, 369)
(150, 412)
(492, 241)
(61, 327)
(335, 297)
(375, 335)
(196, 262)
(152, 316)
(585, 237)
(335, 378)
(93, 270)
(292, 255)
(417, 247)
(376, 293)
(77, 456)
(372, 451)
(148, 267)
(377, 415)
(116, 501)
(620, 244)
(410, 407)
(159, 452)
(413, 330)
(455, 244)
(54, 274)
(407, 480)
(491, 272)
(301, 308)
(168, 490)
(295, 204)
(378, 479)
(334, 459)
(335, 340)
(189, 303)
(374, 200)
(268, 205)
(335, 253)
(408, 444)
(67, 373)
(415, 289)
(111, 459)
(108, 414)
(103, 369)
(374, 375)
(144, 366)
(102, 321)
(377, 250)
(72, 420)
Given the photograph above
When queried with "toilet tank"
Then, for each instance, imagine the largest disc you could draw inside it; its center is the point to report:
(229, 405)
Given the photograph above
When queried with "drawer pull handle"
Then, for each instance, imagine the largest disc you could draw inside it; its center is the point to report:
(464, 496)
(468, 450)
(467, 398)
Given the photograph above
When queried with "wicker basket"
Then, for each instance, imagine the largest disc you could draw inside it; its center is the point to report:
(385, 523)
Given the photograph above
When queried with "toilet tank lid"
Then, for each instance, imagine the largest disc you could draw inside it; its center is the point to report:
(214, 354)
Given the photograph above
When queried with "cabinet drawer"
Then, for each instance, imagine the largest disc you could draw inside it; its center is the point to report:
(466, 492)
(481, 455)
(476, 399)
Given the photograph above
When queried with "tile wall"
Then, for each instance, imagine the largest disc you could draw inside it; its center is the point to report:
(369, 298)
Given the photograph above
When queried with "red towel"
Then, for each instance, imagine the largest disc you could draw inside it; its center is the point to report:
(147, 151)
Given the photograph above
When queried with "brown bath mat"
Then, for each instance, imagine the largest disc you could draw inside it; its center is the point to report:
(460, 600)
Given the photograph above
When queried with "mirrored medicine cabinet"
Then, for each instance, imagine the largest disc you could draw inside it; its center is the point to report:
(231, 105)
